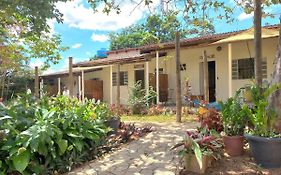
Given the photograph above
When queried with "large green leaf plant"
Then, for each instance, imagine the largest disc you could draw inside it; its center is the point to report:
(48, 135)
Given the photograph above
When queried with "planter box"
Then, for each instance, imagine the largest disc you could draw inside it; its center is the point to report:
(266, 151)
(191, 163)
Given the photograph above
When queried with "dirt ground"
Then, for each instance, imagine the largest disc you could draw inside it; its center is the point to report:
(242, 165)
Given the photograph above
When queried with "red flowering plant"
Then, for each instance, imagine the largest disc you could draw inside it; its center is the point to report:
(201, 142)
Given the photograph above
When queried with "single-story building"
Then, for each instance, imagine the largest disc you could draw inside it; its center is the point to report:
(230, 59)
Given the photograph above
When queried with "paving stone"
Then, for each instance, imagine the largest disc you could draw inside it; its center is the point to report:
(163, 172)
(91, 172)
(149, 155)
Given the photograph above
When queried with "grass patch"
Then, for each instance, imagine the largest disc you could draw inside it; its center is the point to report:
(158, 118)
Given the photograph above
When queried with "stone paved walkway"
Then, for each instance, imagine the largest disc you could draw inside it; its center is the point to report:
(149, 155)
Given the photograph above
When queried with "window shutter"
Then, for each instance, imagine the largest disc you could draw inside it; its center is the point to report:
(114, 79)
(264, 68)
(235, 72)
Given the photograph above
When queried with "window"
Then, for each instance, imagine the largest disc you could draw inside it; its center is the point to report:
(183, 67)
(161, 71)
(245, 68)
(123, 78)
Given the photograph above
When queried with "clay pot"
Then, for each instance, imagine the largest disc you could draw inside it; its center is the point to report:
(234, 145)
(191, 163)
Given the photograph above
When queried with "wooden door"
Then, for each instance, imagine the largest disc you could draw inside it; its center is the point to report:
(163, 85)
(94, 89)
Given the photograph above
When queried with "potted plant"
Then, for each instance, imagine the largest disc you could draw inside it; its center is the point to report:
(264, 142)
(234, 119)
(199, 148)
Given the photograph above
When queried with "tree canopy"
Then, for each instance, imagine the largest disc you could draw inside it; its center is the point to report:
(155, 28)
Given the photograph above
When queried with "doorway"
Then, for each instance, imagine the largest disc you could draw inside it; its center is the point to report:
(139, 76)
(212, 80)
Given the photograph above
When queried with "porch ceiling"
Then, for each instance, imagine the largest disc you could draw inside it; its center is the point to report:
(249, 35)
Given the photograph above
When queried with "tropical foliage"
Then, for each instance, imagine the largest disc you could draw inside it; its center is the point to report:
(261, 116)
(234, 117)
(48, 135)
(201, 142)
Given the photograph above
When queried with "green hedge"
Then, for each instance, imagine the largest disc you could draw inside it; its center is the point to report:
(49, 135)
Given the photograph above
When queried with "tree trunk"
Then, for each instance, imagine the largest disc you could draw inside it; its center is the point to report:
(275, 99)
(178, 79)
(258, 42)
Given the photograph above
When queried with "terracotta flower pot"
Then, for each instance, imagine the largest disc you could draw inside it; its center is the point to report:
(191, 163)
(234, 145)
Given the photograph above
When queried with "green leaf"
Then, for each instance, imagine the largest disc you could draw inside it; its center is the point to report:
(21, 160)
(63, 144)
(198, 153)
(78, 144)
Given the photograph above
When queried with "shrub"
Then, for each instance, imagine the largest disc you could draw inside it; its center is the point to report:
(139, 101)
(123, 110)
(210, 118)
(159, 110)
(42, 136)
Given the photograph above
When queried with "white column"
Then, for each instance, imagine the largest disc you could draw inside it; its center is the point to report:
(83, 85)
(59, 92)
(157, 76)
(147, 77)
(79, 88)
(229, 72)
(110, 88)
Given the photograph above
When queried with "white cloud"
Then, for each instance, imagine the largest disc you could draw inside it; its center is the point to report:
(37, 62)
(49, 71)
(99, 38)
(78, 16)
(76, 46)
(244, 16)
(88, 53)
(51, 24)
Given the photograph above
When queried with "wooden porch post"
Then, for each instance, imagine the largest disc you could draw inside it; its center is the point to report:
(79, 88)
(157, 77)
(229, 73)
(83, 85)
(41, 86)
(36, 83)
(147, 77)
(118, 87)
(206, 76)
(110, 88)
(178, 79)
(59, 88)
(70, 78)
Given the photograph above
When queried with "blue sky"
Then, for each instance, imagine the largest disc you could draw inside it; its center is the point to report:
(85, 32)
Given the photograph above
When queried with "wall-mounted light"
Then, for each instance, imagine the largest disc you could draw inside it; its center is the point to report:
(219, 48)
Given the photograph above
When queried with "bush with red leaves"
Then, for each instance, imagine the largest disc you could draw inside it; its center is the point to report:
(211, 119)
